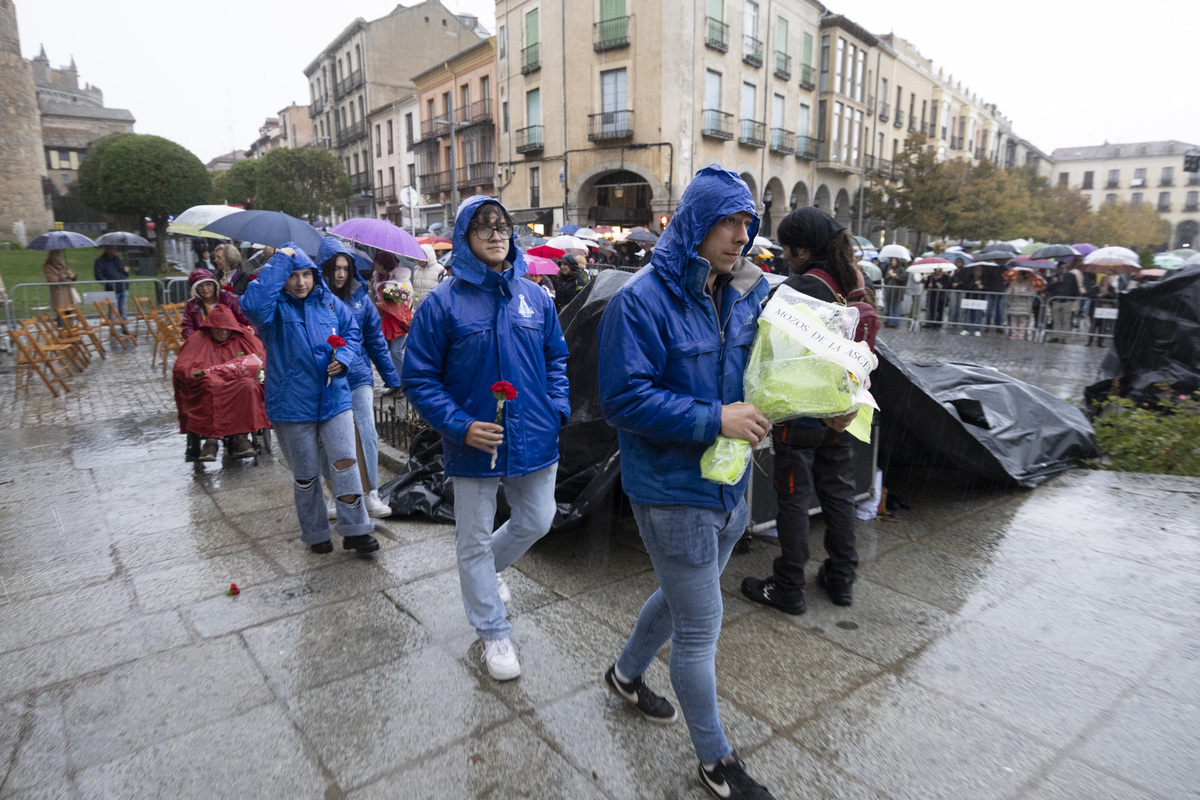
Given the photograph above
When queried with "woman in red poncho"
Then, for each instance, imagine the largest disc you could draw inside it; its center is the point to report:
(217, 391)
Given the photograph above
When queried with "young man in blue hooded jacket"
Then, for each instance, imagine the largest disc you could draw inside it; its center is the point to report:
(684, 326)
(482, 325)
(308, 395)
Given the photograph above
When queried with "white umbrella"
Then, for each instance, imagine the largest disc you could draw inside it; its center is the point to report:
(762, 241)
(871, 270)
(895, 251)
(1112, 261)
(192, 221)
(567, 243)
(586, 233)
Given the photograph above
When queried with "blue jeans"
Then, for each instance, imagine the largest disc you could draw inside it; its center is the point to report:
(301, 443)
(120, 303)
(396, 348)
(689, 548)
(363, 409)
(482, 553)
(995, 311)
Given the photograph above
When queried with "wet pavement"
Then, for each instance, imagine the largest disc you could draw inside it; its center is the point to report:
(1031, 644)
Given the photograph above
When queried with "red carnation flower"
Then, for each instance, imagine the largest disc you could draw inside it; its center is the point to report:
(233, 590)
(504, 390)
(335, 341)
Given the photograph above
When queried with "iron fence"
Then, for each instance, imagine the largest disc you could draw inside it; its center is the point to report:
(397, 422)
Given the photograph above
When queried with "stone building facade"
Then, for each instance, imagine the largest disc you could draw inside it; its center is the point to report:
(804, 104)
(394, 133)
(73, 116)
(1136, 173)
(24, 204)
(368, 65)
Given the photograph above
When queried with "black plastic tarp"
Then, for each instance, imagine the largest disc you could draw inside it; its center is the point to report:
(978, 421)
(1156, 340)
(589, 465)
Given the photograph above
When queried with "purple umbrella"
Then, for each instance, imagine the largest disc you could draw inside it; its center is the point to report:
(1085, 248)
(380, 234)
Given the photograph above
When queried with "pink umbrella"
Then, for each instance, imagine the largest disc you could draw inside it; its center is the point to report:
(380, 234)
(541, 266)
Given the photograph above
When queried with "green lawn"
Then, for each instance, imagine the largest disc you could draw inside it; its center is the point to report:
(25, 266)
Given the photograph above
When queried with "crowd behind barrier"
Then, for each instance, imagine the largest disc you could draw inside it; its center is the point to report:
(1087, 320)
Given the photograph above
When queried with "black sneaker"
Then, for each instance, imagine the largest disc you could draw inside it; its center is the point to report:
(321, 548)
(729, 781)
(653, 707)
(838, 589)
(772, 594)
(363, 545)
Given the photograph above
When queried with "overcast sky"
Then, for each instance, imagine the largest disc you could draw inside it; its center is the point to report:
(1066, 73)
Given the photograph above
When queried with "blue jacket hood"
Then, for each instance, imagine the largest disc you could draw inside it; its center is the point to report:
(465, 265)
(713, 194)
(330, 247)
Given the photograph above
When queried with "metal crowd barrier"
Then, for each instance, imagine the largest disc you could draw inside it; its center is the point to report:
(962, 311)
(27, 300)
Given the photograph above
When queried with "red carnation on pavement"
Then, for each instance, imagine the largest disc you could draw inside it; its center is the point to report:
(504, 391)
(233, 590)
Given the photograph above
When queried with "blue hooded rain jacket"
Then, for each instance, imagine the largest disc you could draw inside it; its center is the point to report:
(473, 329)
(375, 347)
(673, 358)
(295, 333)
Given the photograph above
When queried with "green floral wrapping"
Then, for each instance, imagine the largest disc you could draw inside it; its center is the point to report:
(785, 379)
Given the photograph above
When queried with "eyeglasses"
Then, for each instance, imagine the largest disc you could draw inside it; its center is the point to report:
(485, 233)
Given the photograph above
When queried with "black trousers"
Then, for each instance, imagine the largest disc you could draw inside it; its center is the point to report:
(813, 465)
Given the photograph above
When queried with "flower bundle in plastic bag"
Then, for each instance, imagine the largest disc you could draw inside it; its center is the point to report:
(804, 363)
(240, 367)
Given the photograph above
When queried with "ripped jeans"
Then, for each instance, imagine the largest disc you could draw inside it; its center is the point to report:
(299, 442)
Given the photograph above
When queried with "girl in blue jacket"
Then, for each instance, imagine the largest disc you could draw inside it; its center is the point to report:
(308, 393)
(337, 268)
(483, 325)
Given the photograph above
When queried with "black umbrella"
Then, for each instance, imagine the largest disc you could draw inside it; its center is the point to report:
(994, 254)
(642, 236)
(1011, 248)
(1056, 251)
(270, 228)
(122, 239)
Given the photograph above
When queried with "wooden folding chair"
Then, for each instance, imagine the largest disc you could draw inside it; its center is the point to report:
(74, 321)
(111, 319)
(174, 315)
(52, 336)
(49, 366)
(142, 307)
(168, 340)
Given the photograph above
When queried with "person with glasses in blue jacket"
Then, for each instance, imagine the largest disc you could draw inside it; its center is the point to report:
(482, 325)
(678, 334)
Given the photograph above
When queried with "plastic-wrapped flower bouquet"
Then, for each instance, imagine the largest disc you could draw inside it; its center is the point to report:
(804, 363)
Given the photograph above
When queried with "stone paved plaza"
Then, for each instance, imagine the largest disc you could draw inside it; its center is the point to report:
(1036, 644)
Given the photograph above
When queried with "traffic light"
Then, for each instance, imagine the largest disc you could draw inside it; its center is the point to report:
(1191, 161)
(662, 221)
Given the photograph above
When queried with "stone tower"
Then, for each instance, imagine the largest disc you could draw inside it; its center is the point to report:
(23, 210)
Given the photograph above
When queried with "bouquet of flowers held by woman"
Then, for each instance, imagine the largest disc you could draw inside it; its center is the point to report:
(242, 366)
(804, 363)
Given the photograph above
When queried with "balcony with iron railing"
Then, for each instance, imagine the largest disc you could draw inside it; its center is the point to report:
(1190, 207)
(806, 147)
(432, 182)
(610, 125)
(912, 123)
(885, 169)
(717, 34)
(752, 133)
(609, 34)
(316, 107)
(1166, 182)
(1194, 179)
(481, 173)
(870, 105)
(783, 66)
(361, 183)
(783, 141)
(531, 58)
(351, 133)
(529, 140)
(752, 51)
(478, 112)
(386, 194)
(980, 153)
(348, 84)
(899, 121)
(884, 108)
(926, 129)
(717, 124)
(956, 143)
(807, 77)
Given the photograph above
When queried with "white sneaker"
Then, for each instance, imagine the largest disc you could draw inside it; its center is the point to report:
(977, 333)
(501, 660)
(964, 333)
(503, 590)
(376, 507)
(331, 508)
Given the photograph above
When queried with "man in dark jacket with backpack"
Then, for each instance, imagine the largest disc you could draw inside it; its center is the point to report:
(813, 458)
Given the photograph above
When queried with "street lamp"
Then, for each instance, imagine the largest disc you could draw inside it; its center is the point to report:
(453, 156)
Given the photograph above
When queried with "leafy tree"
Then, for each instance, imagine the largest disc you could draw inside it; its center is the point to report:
(90, 185)
(301, 181)
(1129, 225)
(238, 184)
(146, 176)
